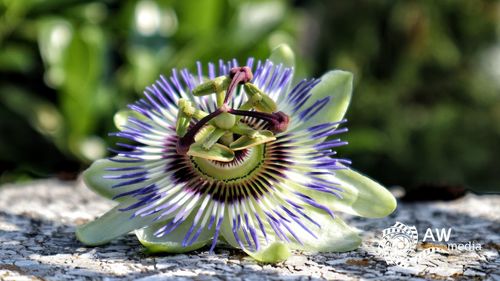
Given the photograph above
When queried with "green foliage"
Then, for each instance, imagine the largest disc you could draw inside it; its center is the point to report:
(425, 107)
(67, 66)
(426, 98)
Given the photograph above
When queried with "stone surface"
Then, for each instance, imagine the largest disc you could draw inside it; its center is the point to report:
(38, 219)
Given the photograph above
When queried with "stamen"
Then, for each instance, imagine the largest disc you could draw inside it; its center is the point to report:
(278, 121)
(238, 75)
(224, 115)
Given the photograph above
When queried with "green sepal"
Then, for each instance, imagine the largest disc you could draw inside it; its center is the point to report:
(245, 141)
(271, 252)
(172, 242)
(284, 55)
(335, 85)
(94, 179)
(371, 200)
(121, 118)
(112, 224)
(217, 152)
(333, 236)
(361, 196)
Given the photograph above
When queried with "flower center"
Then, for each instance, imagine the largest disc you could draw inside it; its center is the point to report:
(219, 135)
(245, 163)
(251, 173)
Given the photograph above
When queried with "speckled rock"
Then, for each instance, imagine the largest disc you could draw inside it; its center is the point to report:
(38, 219)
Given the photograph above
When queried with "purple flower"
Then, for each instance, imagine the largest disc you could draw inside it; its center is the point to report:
(230, 151)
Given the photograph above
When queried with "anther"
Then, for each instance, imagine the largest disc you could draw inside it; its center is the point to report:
(237, 76)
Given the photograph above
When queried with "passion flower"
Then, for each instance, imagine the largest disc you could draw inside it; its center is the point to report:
(232, 154)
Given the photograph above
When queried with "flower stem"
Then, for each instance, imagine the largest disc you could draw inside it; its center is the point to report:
(278, 121)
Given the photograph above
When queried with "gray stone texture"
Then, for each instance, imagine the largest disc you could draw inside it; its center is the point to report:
(37, 242)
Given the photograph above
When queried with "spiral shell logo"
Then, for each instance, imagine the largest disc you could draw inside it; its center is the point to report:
(398, 244)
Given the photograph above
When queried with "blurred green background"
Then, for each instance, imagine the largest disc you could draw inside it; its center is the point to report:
(426, 106)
